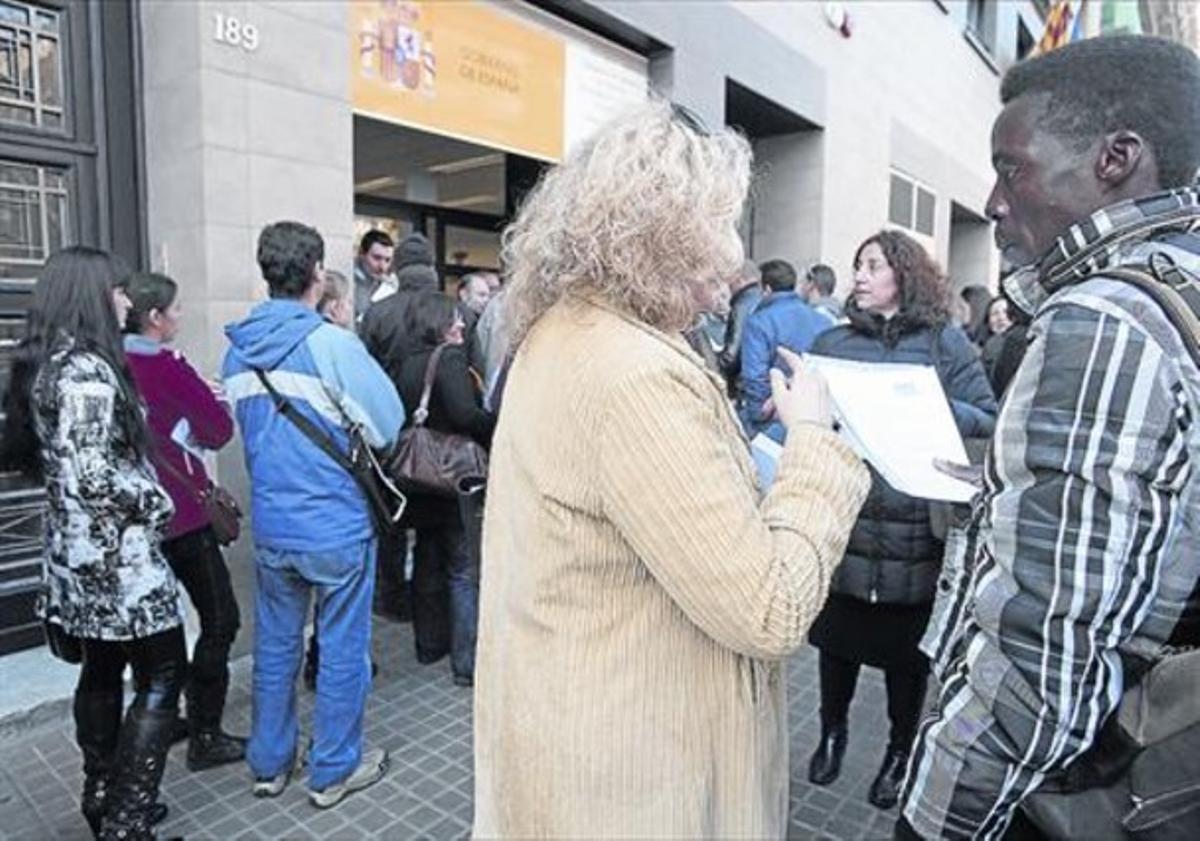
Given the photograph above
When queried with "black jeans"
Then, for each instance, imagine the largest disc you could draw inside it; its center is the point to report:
(200, 567)
(905, 695)
(445, 589)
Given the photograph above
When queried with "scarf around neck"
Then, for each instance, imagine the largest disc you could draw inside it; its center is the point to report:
(1091, 245)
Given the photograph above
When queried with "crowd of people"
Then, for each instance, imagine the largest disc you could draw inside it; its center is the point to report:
(625, 615)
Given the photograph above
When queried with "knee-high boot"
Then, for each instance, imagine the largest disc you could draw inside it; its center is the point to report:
(97, 728)
(141, 759)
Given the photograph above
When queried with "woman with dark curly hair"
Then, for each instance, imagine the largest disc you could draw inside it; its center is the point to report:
(882, 592)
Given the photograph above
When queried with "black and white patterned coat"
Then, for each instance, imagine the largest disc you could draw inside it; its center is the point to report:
(106, 577)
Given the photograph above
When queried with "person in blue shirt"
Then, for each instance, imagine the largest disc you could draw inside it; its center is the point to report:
(312, 528)
(783, 319)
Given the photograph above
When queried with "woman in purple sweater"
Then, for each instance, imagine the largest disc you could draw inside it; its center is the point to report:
(185, 417)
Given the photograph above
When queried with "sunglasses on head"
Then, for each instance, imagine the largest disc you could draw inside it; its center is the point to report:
(689, 119)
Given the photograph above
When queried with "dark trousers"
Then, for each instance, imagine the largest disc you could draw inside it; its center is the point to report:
(159, 665)
(159, 668)
(445, 591)
(391, 585)
(200, 567)
(905, 695)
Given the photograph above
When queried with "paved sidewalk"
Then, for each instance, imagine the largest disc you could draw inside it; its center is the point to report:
(425, 722)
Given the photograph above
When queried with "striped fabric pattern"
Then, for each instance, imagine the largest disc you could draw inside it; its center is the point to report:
(1082, 549)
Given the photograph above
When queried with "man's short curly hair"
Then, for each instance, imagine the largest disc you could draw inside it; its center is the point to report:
(1120, 82)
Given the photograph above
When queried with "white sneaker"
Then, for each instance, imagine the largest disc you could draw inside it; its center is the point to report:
(370, 770)
(274, 786)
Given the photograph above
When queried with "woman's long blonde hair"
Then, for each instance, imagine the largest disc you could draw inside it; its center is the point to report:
(639, 215)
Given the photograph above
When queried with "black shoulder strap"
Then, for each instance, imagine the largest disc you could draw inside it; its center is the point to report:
(1175, 291)
(310, 430)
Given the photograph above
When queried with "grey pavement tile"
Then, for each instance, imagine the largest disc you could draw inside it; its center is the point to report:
(422, 818)
(323, 824)
(211, 814)
(259, 810)
(227, 827)
(372, 819)
(400, 805)
(447, 830)
(452, 802)
(428, 789)
(281, 825)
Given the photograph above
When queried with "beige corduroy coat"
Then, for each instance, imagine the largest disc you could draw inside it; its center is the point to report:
(637, 598)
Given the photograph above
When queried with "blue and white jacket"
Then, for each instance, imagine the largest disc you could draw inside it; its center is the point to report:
(301, 500)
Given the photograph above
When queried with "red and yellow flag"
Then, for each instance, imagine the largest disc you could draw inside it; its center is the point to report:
(1058, 27)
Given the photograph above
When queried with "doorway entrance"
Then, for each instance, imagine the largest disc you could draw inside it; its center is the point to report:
(458, 194)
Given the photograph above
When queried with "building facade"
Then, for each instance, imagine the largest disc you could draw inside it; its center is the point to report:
(173, 131)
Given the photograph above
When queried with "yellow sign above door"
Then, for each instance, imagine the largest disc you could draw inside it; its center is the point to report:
(459, 68)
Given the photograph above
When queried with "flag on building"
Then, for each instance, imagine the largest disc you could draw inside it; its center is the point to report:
(1062, 27)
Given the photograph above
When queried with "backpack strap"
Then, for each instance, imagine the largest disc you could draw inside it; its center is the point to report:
(1176, 293)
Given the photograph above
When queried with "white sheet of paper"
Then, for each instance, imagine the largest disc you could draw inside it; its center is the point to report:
(766, 454)
(897, 417)
(181, 434)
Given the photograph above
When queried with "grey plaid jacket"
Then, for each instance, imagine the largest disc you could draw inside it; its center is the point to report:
(1083, 548)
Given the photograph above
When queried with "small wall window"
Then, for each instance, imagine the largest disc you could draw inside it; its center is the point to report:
(31, 66)
(33, 216)
(981, 22)
(911, 205)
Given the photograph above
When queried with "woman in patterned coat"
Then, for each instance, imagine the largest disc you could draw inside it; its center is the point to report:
(74, 422)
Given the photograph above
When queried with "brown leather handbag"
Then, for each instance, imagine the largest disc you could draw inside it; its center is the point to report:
(224, 513)
(427, 461)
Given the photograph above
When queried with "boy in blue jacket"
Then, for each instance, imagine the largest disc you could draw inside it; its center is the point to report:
(312, 527)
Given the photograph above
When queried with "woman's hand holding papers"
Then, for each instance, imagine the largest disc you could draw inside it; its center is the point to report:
(803, 397)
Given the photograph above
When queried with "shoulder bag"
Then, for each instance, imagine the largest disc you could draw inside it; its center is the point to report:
(223, 512)
(385, 501)
(427, 461)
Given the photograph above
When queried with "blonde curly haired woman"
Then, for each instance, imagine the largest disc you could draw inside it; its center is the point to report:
(638, 597)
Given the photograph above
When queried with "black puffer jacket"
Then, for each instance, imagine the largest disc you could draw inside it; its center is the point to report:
(893, 557)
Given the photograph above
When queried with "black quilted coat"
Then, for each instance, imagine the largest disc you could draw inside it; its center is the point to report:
(893, 556)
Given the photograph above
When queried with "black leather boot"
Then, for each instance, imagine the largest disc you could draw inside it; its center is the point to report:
(208, 745)
(885, 790)
(137, 772)
(97, 727)
(210, 748)
(826, 762)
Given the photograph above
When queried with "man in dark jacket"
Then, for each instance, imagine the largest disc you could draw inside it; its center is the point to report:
(781, 320)
(383, 332)
(382, 327)
(746, 293)
(1082, 555)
